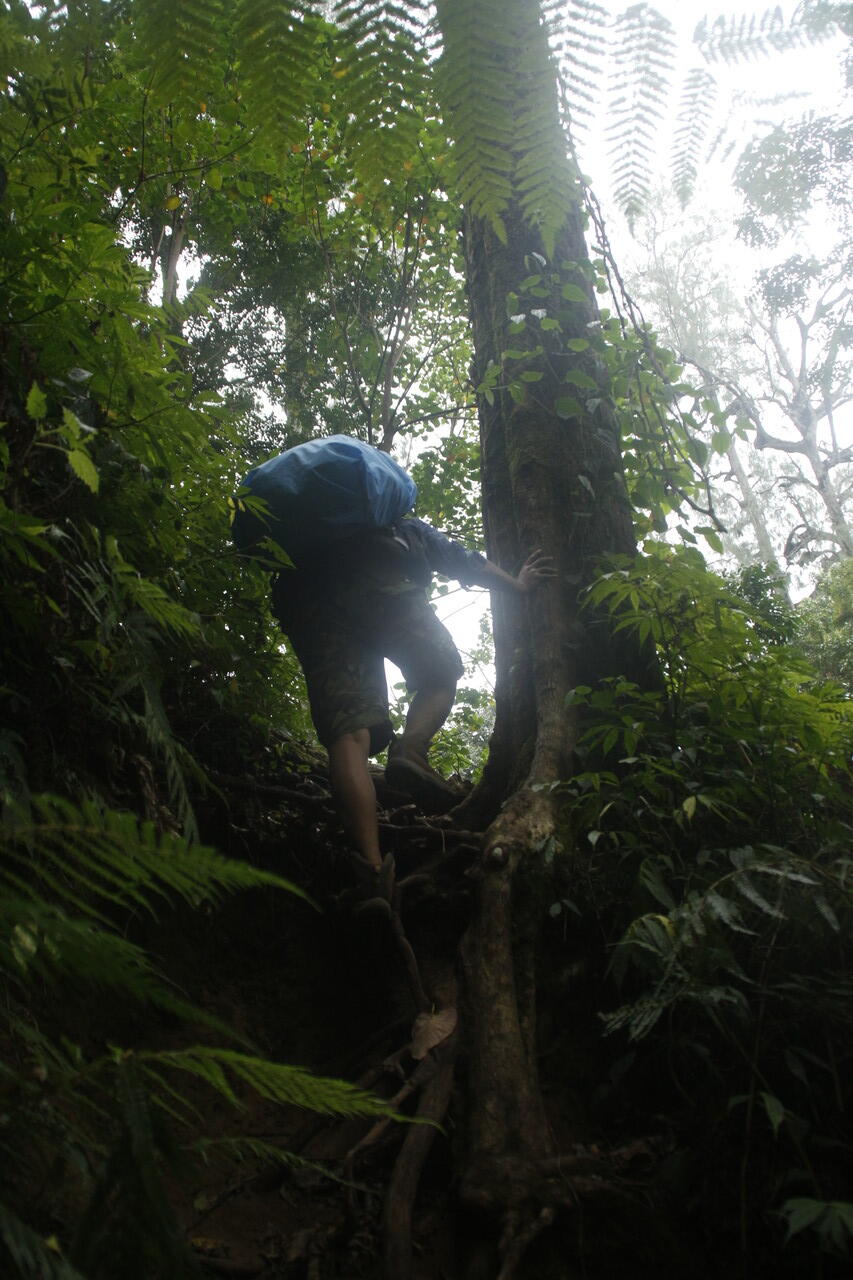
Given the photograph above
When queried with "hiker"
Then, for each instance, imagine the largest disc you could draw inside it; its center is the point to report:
(355, 594)
(346, 609)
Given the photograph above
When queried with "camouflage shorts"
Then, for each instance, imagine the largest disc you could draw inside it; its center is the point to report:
(342, 644)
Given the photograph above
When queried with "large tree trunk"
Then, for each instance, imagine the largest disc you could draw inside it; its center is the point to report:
(551, 480)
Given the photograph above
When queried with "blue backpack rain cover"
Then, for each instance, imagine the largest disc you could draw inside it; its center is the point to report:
(320, 492)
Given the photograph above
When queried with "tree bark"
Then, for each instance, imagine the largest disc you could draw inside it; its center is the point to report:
(554, 482)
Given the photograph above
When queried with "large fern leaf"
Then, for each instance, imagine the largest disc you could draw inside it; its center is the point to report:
(277, 51)
(496, 81)
(180, 46)
(228, 1072)
(577, 32)
(697, 104)
(472, 78)
(643, 57)
(91, 859)
(744, 37)
(542, 178)
(383, 77)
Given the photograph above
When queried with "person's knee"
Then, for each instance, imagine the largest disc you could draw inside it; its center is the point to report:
(353, 742)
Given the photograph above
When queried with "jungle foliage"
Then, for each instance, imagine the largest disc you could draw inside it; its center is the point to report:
(300, 174)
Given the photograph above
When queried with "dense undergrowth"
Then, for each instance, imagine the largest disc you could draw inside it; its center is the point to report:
(713, 853)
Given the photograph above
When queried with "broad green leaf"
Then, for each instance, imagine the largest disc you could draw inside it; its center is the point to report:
(83, 467)
(567, 407)
(36, 403)
(802, 1212)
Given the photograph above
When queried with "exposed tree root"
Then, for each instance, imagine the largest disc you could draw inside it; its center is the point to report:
(516, 1237)
(400, 1197)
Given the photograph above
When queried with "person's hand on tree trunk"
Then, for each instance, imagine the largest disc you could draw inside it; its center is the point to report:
(536, 568)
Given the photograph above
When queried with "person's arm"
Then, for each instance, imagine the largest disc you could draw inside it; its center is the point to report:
(536, 568)
(452, 560)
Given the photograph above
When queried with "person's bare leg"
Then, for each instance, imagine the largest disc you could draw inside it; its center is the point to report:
(427, 713)
(354, 793)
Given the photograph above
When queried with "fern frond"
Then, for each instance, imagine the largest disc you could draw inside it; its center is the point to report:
(32, 1254)
(496, 78)
(697, 103)
(383, 78)
(176, 758)
(40, 940)
(277, 50)
(644, 57)
(240, 1149)
(181, 46)
(155, 602)
(225, 1070)
(577, 34)
(93, 859)
(472, 79)
(542, 178)
(745, 37)
(729, 136)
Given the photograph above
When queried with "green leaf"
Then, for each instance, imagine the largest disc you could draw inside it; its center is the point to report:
(802, 1212)
(712, 538)
(567, 407)
(36, 403)
(577, 344)
(84, 468)
(580, 379)
(775, 1111)
(573, 293)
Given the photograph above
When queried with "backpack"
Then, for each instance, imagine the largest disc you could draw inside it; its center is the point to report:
(318, 493)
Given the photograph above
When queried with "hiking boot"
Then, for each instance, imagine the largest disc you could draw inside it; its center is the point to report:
(375, 892)
(431, 792)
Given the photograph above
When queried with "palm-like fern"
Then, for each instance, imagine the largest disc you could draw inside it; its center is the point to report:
(744, 37)
(643, 58)
(577, 32)
(178, 45)
(496, 88)
(384, 80)
(478, 47)
(698, 97)
(277, 49)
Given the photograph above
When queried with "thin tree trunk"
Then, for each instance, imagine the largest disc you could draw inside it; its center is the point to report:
(753, 511)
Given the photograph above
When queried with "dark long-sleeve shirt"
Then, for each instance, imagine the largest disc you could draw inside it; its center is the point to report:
(442, 554)
(380, 560)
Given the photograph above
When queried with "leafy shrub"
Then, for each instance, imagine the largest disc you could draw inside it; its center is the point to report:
(717, 817)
